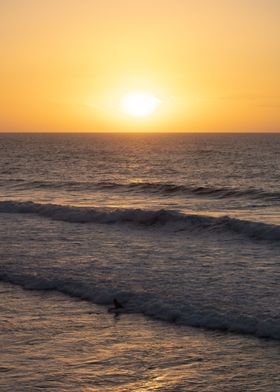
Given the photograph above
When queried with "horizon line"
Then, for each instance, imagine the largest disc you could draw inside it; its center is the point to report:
(139, 132)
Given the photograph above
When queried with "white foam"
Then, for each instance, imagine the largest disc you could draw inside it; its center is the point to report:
(256, 230)
(189, 315)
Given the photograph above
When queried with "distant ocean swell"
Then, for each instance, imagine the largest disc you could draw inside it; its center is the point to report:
(163, 189)
(179, 221)
(194, 315)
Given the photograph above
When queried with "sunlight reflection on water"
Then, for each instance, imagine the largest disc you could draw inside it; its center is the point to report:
(57, 343)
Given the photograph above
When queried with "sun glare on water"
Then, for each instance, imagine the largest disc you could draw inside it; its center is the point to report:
(139, 104)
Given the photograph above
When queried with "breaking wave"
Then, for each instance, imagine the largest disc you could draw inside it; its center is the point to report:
(190, 314)
(178, 220)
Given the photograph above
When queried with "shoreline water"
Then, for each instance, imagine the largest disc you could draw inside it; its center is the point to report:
(58, 343)
(137, 265)
(180, 228)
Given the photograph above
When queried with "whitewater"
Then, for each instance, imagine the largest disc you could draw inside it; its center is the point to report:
(184, 230)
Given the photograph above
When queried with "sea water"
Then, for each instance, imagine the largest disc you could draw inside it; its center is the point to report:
(182, 229)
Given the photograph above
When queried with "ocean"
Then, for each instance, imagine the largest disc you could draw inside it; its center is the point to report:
(182, 229)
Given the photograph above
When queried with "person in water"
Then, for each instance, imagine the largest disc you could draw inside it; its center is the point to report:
(117, 304)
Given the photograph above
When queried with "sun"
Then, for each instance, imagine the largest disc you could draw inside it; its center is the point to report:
(139, 104)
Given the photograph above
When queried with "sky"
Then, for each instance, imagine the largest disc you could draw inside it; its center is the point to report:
(67, 64)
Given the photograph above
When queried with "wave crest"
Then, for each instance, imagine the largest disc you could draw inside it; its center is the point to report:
(189, 315)
(178, 220)
(163, 189)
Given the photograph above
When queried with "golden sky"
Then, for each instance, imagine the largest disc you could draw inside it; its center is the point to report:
(213, 64)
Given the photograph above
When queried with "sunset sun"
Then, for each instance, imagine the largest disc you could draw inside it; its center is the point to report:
(139, 195)
(139, 104)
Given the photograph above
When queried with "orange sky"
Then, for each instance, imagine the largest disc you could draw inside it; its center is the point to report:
(214, 64)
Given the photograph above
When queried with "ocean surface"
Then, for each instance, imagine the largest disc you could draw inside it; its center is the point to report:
(183, 229)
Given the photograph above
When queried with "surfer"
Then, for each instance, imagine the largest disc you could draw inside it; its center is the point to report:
(117, 304)
(117, 309)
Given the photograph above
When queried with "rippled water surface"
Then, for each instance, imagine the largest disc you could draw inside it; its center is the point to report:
(214, 174)
(56, 343)
(182, 229)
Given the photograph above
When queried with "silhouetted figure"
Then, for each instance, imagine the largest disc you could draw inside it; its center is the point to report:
(117, 304)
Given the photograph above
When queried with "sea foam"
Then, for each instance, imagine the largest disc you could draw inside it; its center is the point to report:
(193, 315)
(178, 220)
